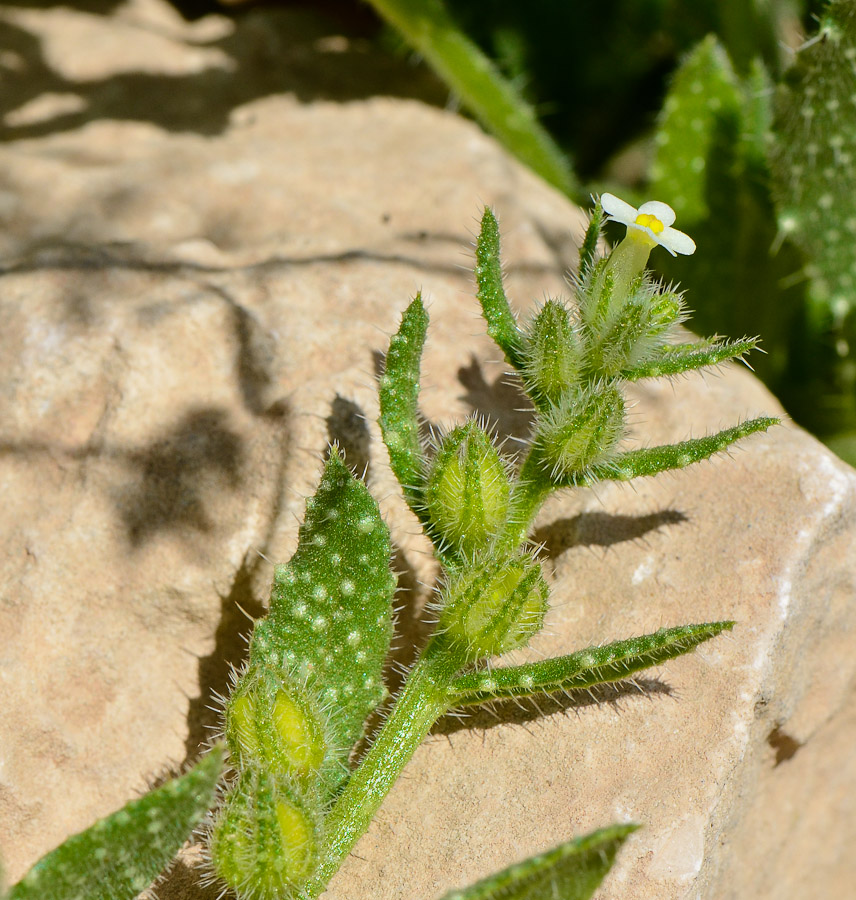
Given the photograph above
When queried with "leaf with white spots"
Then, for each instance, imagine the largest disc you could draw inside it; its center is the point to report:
(813, 157)
(585, 668)
(330, 621)
(701, 113)
(121, 855)
(571, 871)
(654, 460)
(710, 167)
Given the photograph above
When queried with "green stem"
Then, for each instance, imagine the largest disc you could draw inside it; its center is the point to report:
(428, 27)
(626, 263)
(424, 699)
(530, 490)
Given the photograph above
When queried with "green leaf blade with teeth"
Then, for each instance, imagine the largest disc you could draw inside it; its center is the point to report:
(585, 668)
(571, 871)
(330, 621)
(674, 360)
(122, 854)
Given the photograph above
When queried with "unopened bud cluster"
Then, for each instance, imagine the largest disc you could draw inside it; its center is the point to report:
(573, 362)
(495, 605)
(312, 678)
(468, 489)
(266, 837)
(265, 841)
(582, 429)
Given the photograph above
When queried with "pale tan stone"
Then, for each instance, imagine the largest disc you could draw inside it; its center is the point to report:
(180, 312)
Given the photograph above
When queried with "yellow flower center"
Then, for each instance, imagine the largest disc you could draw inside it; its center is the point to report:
(646, 220)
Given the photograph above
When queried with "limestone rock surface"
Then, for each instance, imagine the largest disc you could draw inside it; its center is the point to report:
(190, 312)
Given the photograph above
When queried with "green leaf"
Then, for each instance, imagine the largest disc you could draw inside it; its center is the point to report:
(710, 166)
(399, 396)
(653, 460)
(812, 158)
(701, 109)
(675, 359)
(755, 134)
(571, 871)
(493, 100)
(330, 622)
(588, 249)
(501, 325)
(120, 856)
(585, 668)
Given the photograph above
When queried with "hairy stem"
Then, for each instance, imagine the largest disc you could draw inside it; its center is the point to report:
(529, 492)
(424, 699)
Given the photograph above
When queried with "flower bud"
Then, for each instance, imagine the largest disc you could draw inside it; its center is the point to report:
(582, 430)
(634, 329)
(551, 352)
(269, 722)
(496, 606)
(468, 488)
(265, 840)
(666, 310)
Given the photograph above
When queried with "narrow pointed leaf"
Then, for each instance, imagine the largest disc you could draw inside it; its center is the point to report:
(399, 396)
(571, 871)
(501, 325)
(588, 249)
(585, 668)
(653, 460)
(121, 855)
(330, 621)
(685, 357)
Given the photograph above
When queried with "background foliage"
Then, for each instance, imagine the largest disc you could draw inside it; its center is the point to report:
(711, 107)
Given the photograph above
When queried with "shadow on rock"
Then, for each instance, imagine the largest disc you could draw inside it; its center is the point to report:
(601, 529)
(174, 473)
(256, 53)
(502, 403)
(183, 881)
(348, 429)
(238, 609)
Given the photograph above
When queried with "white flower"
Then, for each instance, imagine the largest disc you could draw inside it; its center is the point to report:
(653, 219)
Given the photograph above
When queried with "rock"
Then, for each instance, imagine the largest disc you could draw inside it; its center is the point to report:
(191, 313)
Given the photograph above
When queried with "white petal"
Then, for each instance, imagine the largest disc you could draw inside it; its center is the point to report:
(677, 242)
(661, 211)
(618, 210)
